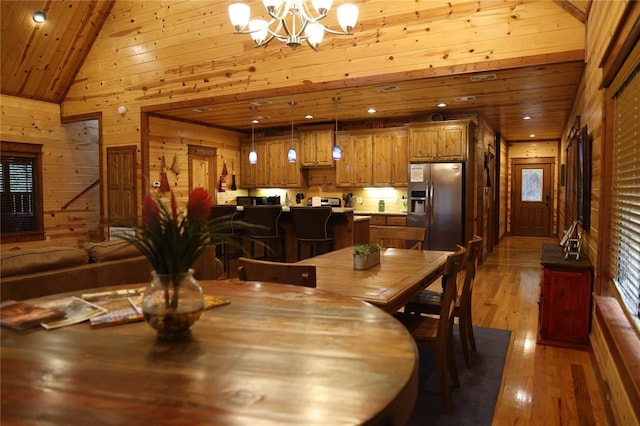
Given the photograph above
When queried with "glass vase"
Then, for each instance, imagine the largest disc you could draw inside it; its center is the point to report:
(172, 303)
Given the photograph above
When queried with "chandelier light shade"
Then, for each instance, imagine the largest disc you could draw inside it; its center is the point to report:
(253, 155)
(292, 21)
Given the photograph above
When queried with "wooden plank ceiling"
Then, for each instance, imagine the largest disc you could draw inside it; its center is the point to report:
(40, 61)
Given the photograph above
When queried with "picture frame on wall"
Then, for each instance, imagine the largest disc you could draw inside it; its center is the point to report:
(583, 178)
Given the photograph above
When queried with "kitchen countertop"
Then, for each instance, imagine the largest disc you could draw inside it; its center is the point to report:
(365, 212)
(287, 209)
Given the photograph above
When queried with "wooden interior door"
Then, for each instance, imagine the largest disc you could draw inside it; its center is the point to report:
(531, 197)
(121, 185)
(202, 169)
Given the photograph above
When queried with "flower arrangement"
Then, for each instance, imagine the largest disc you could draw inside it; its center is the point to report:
(173, 240)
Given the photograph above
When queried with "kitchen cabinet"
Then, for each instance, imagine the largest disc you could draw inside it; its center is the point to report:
(439, 141)
(390, 158)
(387, 219)
(254, 175)
(564, 315)
(316, 146)
(355, 167)
(282, 173)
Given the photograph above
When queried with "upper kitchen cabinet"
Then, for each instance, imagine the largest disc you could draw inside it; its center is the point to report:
(439, 141)
(355, 167)
(316, 146)
(282, 173)
(390, 157)
(255, 175)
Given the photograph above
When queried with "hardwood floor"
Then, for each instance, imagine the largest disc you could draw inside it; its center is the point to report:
(541, 385)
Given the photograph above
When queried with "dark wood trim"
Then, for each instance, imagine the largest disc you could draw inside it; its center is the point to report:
(144, 153)
(625, 38)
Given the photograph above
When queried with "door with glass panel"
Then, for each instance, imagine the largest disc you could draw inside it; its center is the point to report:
(531, 197)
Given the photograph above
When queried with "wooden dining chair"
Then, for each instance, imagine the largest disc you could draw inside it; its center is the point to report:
(276, 272)
(436, 333)
(429, 301)
(406, 237)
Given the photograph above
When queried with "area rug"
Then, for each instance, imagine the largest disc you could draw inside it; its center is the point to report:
(475, 400)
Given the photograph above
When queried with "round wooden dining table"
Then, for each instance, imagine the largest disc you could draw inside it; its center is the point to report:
(275, 355)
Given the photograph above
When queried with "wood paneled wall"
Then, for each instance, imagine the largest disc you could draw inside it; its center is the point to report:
(171, 139)
(70, 163)
(589, 105)
(602, 21)
(504, 189)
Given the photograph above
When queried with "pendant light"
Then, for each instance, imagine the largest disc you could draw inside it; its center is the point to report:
(292, 156)
(253, 155)
(336, 154)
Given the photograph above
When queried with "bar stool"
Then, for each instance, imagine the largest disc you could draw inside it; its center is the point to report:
(310, 226)
(267, 231)
(228, 251)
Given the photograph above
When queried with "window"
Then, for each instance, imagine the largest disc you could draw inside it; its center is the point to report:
(21, 192)
(625, 203)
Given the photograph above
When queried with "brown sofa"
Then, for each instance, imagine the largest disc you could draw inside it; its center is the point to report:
(29, 273)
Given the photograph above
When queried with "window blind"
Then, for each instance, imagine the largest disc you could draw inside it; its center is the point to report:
(625, 223)
(19, 208)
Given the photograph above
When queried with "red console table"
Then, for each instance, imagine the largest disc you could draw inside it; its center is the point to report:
(564, 316)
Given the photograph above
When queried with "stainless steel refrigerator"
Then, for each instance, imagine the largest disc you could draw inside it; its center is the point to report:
(435, 195)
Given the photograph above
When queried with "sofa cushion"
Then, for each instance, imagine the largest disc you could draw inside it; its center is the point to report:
(110, 250)
(16, 262)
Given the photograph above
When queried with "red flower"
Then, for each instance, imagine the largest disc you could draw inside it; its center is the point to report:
(199, 204)
(150, 211)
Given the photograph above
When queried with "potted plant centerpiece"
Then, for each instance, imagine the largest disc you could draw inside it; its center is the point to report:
(366, 255)
(172, 240)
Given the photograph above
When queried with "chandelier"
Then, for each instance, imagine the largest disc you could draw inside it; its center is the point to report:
(292, 21)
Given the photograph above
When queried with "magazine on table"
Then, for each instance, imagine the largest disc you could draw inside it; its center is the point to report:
(76, 310)
(121, 305)
(23, 315)
(119, 311)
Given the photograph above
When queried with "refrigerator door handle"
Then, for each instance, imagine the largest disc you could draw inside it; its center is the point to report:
(431, 202)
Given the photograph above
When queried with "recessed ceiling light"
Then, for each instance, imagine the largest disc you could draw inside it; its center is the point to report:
(261, 102)
(39, 17)
(308, 116)
(465, 98)
(532, 135)
(526, 117)
(202, 109)
(372, 110)
(255, 121)
(441, 105)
